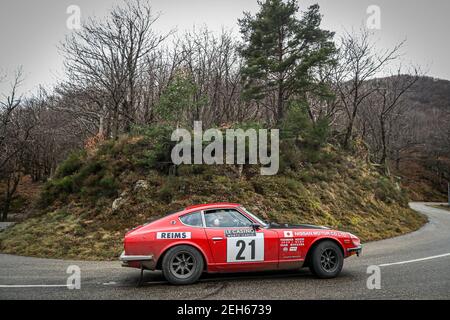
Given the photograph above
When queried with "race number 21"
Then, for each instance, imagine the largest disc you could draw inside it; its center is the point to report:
(245, 249)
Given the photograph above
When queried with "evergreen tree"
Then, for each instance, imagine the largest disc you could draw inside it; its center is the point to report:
(177, 104)
(283, 52)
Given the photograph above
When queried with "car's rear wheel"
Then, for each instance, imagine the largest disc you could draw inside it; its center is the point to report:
(182, 265)
(327, 260)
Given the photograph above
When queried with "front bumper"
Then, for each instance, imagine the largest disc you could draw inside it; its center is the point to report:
(138, 261)
(357, 250)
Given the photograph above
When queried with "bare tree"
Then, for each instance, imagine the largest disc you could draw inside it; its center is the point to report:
(359, 62)
(213, 63)
(16, 126)
(109, 56)
(383, 112)
(406, 139)
(8, 104)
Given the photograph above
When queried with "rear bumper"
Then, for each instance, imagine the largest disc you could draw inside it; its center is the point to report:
(357, 250)
(132, 261)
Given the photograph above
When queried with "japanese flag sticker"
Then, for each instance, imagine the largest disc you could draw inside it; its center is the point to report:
(288, 234)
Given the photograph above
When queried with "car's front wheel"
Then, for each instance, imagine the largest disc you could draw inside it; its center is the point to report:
(182, 265)
(327, 260)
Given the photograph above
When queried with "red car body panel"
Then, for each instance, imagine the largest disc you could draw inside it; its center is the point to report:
(271, 248)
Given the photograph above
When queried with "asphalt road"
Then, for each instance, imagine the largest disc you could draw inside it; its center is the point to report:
(427, 276)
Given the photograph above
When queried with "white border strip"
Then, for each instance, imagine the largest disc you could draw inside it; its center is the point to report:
(415, 260)
(35, 286)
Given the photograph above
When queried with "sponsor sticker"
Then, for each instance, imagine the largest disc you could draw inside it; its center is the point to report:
(231, 233)
(173, 235)
(319, 233)
(288, 234)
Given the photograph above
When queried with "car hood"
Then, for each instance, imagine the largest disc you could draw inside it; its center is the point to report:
(273, 225)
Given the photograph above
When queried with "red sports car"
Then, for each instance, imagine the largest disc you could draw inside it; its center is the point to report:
(226, 237)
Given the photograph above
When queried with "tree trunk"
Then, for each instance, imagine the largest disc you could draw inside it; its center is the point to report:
(280, 102)
(348, 134)
(383, 143)
(383, 160)
(397, 163)
(6, 209)
(311, 115)
(10, 191)
(280, 105)
(116, 123)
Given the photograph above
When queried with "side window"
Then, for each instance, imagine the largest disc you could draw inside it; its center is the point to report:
(225, 218)
(192, 219)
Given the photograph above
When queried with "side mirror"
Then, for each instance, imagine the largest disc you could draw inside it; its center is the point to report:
(256, 226)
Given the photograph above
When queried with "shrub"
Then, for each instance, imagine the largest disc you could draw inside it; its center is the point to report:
(108, 186)
(387, 191)
(291, 157)
(64, 185)
(54, 189)
(158, 144)
(298, 126)
(106, 147)
(69, 166)
(317, 135)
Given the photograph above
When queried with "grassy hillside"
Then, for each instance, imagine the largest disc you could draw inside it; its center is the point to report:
(97, 195)
(422, 182)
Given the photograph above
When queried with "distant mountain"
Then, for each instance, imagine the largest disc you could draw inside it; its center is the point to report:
(426, 172)
(430, 93)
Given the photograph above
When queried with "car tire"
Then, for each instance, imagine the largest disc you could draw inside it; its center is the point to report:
(182, 265)
(327, 260)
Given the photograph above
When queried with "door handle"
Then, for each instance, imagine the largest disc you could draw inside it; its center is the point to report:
(217, 238)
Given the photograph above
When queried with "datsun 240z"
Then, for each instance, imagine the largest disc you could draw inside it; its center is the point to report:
(225, 237)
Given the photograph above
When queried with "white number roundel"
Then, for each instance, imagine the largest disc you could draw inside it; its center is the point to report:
(245, 249)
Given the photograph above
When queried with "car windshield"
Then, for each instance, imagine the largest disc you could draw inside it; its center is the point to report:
(256, 218)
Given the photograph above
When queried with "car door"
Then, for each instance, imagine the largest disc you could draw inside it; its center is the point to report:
(236, 245)
(292, 250)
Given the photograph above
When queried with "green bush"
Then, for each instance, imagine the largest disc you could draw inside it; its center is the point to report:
(69, 166)
(88, 179)
(317, 135)
(106, 147)
(64, 185)
(387, 191)
(54, 189)
(291, 157)
(297, 126)
(157, 147)
(108, 186)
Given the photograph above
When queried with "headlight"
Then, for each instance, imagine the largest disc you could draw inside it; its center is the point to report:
(355, 239)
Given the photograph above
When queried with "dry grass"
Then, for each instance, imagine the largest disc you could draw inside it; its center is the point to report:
(423, 184)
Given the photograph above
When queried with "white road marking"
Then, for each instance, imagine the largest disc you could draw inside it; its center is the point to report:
(34, 286)
(415, 260)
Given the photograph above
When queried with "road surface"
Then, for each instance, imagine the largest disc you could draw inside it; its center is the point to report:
(413, 266)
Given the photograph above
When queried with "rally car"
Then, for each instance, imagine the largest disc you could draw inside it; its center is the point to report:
(226, 237)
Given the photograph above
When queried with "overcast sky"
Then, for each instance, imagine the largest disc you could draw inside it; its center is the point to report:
(30, 30)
